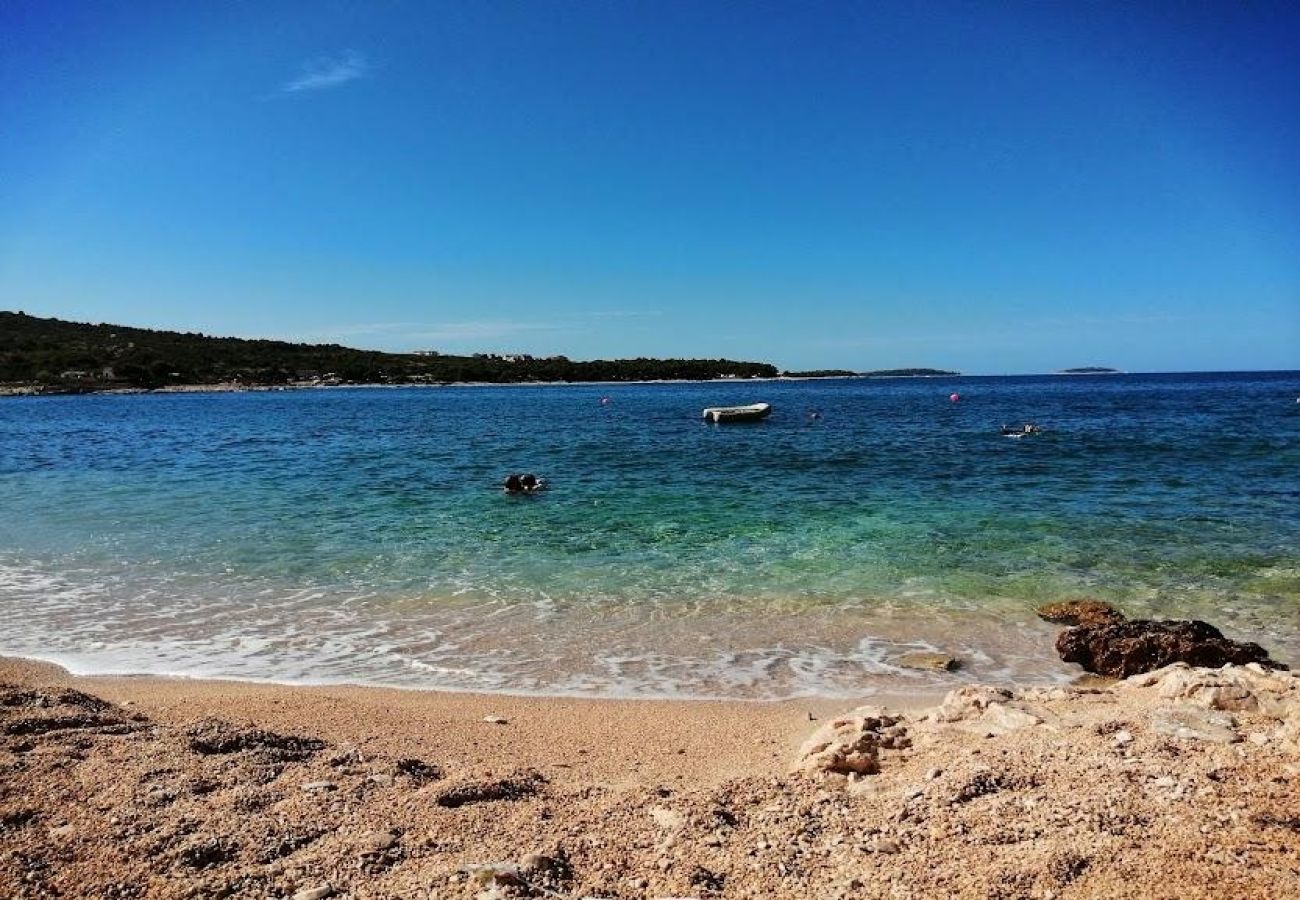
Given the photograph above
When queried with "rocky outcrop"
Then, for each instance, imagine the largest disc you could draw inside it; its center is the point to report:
(851, 744)
(986, 710)
(1123, 649)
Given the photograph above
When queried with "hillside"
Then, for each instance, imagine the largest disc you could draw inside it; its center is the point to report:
(54, 355)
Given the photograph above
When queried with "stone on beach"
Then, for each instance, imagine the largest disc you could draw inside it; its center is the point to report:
(984, 709)
(851, 744)
(1246, 689)
(315, 893)
(1122, 649)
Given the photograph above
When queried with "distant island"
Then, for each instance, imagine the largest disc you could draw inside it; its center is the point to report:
(877, 373)
(908, 373)
(821, 373)
(1089, 370)
(53, 356)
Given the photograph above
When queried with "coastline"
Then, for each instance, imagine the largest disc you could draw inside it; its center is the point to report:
(158, 787)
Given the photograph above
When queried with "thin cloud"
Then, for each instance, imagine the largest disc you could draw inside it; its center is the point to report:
(328, 72)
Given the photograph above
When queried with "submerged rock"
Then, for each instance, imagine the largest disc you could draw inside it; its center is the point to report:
(929, 662)
(1123, 649)
(1080, 612)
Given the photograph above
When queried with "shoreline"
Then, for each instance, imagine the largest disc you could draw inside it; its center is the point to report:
(25, 390)
(140, 786)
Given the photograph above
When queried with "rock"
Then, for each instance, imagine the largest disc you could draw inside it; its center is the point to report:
(1188, 722)
(983, 709)
(929, 662)
(851, 744)
(1080, 612)
(1123, 737)
(932, 774)
(377, 841)
(380, 778)
(319, 892)
(999, 718)
(1232, 688)
(496, 720)
(1123, 649)
(319, 786)
(968, 702)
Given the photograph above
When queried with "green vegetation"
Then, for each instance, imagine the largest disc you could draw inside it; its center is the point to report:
(822, 373)
(69, 356)
(908, 373)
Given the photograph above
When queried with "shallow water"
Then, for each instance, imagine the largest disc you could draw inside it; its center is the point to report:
(361, 535)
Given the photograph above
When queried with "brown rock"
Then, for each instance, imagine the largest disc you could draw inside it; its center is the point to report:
(1080, 612)
(1122, 649)
(929, 662)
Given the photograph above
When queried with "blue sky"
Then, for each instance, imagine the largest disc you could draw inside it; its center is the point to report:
(990, 187)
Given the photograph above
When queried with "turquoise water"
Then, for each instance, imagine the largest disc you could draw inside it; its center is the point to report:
(361, 535)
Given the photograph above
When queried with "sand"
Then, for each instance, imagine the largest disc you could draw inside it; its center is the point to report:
(148, 787)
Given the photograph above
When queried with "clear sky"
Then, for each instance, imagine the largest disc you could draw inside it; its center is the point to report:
(990, 187)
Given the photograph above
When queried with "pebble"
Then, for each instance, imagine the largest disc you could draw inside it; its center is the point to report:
(932, 774)
(319, 786)
(61, 831)
(1123, 737)
(1165, 781)
(381, 778)
(496, 720)
(639, 883)
(377, 842)
(317, 893)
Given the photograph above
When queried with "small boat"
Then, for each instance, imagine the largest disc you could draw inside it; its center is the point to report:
(752, 413)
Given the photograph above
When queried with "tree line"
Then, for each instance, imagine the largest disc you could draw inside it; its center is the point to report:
(76, 356)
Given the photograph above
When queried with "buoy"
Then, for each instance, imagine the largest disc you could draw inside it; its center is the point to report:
(954, 397)
(604, 401)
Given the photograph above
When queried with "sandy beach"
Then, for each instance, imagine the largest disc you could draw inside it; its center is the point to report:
(1181, 783)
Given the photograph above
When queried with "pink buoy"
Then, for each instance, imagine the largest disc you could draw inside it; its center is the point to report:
(954, 397)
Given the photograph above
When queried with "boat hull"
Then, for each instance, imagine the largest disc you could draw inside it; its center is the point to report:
(755, 412)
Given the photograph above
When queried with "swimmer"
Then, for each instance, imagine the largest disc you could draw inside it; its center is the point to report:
(514, 484)
(531, 483)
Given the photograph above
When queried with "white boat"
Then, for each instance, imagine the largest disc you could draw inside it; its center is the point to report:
(751, 413)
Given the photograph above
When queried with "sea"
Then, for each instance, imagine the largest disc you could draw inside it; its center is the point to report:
(361, 535)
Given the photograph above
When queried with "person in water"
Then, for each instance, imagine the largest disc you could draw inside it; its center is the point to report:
(523, 484)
